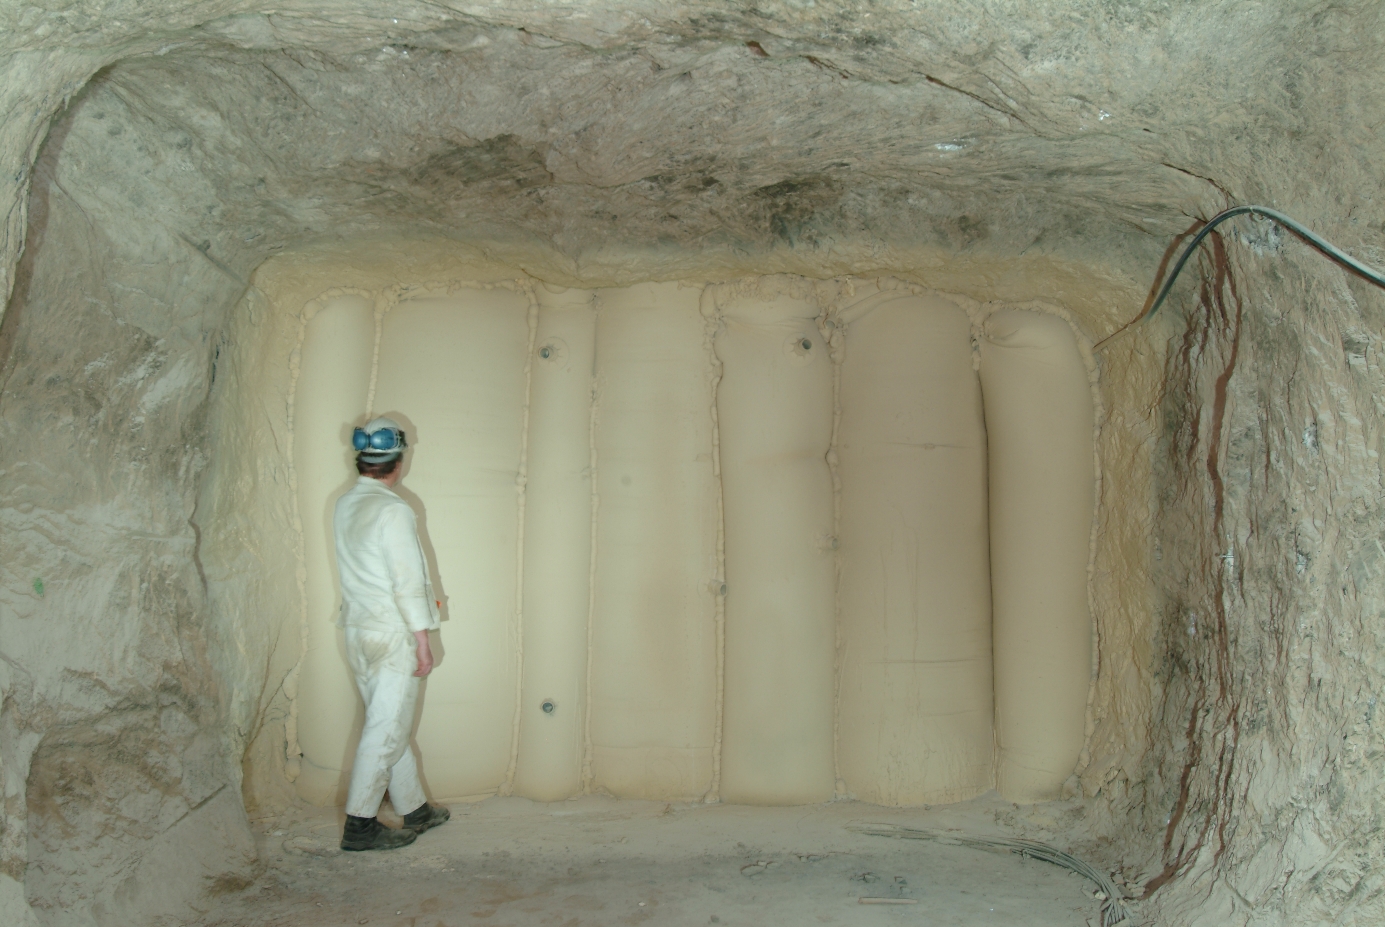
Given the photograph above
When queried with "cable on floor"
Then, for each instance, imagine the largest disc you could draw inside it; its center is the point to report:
(1113, 909)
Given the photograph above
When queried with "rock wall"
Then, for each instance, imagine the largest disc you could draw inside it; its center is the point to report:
(120, 802)
(1046, 151)
(1264, 777)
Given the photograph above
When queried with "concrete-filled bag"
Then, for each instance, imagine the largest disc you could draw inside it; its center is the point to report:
(915, 705)
(451, 369)
(557, 547)
(329, 400)
(774, 406)
(653, 661)
(1039, 424)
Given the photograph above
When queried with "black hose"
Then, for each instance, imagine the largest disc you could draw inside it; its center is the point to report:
(1321, 244)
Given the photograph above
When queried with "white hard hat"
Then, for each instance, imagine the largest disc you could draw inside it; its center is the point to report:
(380, 441)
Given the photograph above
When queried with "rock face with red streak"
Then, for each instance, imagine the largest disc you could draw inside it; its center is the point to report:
(153, 156)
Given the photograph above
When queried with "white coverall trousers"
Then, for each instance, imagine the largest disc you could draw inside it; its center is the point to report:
(383, 663)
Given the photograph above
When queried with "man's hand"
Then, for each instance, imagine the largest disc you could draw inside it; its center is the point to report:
(425, 654)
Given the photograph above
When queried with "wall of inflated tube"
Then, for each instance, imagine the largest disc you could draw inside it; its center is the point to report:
(717, 542)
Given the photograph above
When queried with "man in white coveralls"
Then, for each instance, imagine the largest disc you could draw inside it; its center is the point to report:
(387, 610)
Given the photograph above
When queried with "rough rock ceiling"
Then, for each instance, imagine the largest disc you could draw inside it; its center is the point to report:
(1080, 128)
(490, 131)
(191, 140)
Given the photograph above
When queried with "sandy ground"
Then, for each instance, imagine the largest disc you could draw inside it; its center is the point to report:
(597, 861)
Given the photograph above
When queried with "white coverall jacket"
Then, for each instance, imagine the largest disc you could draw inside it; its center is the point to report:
(385, 597)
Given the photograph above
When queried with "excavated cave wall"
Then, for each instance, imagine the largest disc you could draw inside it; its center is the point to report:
(114, 730)
(1239, 575)
(1264, 775)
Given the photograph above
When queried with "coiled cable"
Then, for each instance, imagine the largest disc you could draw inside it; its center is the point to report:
(1113, 901)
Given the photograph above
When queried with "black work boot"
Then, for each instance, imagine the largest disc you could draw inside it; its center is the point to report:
(370, 834)
(426, 816)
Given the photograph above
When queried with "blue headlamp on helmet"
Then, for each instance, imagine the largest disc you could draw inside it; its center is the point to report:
(384, 439)
(380, 441)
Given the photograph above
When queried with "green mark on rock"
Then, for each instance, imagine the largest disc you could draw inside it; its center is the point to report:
(38, 586)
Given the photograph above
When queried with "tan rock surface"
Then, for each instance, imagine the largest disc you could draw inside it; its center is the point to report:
(157, 156)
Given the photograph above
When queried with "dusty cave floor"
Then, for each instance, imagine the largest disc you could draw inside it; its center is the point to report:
(597, 861)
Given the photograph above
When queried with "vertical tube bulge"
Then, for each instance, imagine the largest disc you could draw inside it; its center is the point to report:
(653, 676)
(329, 399)
(1042, 489)
(452, 371)
(915, 696)
(775, 412)
(557, 547)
